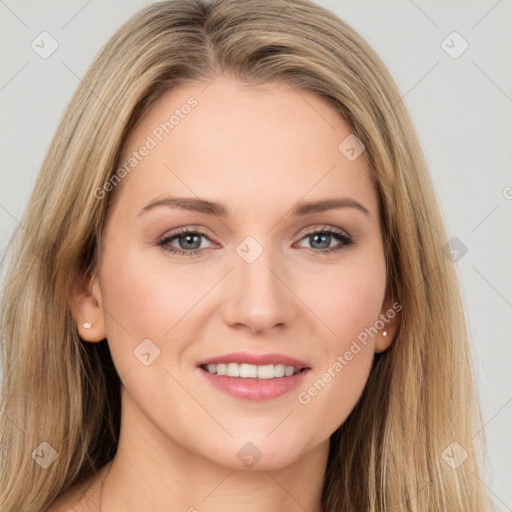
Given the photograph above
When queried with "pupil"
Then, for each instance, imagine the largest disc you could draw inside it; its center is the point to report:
(318, 236)
(189, 239)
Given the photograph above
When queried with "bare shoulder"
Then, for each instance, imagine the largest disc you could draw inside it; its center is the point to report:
(83, 497)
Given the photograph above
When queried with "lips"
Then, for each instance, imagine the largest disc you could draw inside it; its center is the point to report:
(255, 387)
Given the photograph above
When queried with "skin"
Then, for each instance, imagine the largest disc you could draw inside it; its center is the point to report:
(245, 147)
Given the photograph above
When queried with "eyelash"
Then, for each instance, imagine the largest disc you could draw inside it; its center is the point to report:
(339, 235)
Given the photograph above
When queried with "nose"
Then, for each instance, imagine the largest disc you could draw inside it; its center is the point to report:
(259, 297)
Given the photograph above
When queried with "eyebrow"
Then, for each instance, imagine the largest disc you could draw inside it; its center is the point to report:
(213, 208)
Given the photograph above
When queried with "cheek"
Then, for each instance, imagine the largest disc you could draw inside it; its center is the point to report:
(338, 381)
(142, 301)
(346, 297)
(147, 291)
(333, 391)
(350, 307)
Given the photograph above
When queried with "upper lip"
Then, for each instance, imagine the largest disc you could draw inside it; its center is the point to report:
(256, 359)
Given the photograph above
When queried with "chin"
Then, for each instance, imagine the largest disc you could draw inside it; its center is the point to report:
(259, 454)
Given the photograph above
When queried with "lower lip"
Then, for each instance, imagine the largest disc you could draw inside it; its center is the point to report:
(255, 389)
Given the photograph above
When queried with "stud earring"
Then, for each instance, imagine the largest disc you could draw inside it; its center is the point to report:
(87, 325)
(384, 333)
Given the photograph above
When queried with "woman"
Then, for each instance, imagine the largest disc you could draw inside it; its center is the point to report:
(306, 352)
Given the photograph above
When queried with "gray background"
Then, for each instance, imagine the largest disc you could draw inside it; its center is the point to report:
(461, 108)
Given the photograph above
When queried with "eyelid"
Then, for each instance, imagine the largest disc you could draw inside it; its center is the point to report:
(200, 230)
(325, 227)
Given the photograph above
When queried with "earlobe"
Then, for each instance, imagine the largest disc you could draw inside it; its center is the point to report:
(87, 309)
(383, 341)
(390, 316)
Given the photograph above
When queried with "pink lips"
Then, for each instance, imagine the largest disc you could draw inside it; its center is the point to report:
(250, 388)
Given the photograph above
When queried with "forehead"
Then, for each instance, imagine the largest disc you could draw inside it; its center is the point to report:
(267, 143)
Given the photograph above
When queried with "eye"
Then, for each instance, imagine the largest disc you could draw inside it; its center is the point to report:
(323, 237)
(189, 242)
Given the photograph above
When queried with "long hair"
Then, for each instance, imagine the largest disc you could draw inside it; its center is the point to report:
(419, 409)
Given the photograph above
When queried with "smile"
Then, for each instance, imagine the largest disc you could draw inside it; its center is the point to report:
(251, 371)
(256, 377)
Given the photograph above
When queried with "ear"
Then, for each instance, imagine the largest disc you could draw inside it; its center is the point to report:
(86, 306)
(390, 316)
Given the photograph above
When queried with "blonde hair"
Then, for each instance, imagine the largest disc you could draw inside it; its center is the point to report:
(420, 396)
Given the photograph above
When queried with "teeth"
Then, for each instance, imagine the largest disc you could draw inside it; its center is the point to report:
(266, 372)
(279, 370)
(251, 371)
(288, 370)
(247, 371)
(232, 370)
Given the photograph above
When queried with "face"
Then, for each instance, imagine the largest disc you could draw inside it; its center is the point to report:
(259, 273)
